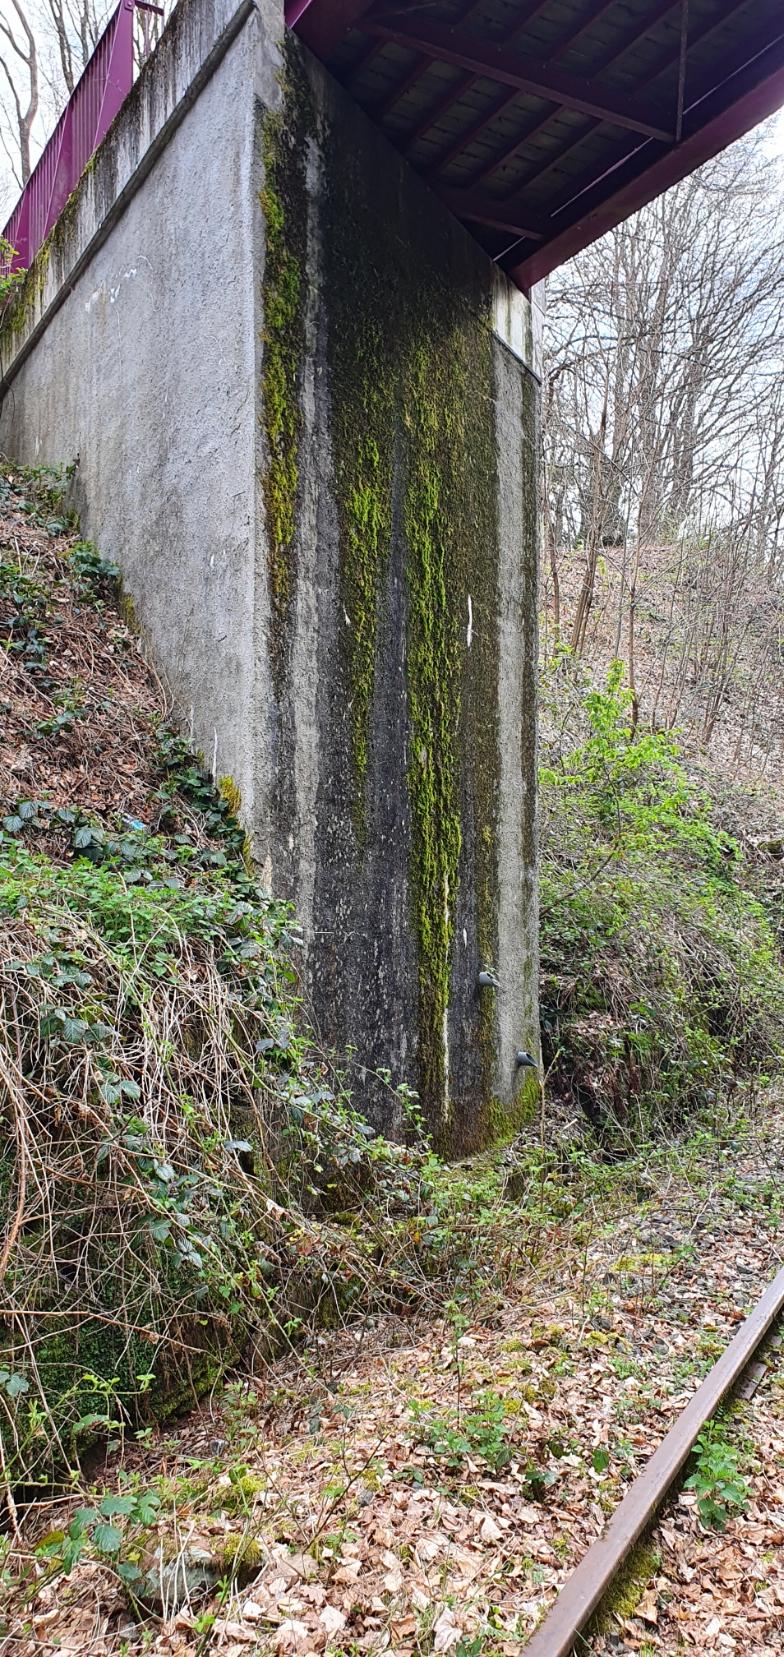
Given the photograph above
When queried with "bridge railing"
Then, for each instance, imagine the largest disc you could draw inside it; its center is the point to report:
(98, 95)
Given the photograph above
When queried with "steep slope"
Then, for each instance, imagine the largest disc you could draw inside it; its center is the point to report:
(173, 1145)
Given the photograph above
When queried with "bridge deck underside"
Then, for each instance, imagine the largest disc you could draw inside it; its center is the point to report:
(542, 123)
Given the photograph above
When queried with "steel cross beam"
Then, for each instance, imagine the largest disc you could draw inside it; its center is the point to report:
(497, 63)
(481, 209)
(626, 187)
(514, 205)
(631, 37)
(432, 115)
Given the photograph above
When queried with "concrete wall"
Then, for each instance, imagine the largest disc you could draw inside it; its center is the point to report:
(304, 414)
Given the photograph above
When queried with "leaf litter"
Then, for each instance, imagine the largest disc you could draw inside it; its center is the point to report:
(418, 1485)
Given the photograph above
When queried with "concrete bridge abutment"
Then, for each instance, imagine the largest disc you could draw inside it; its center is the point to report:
(304, 405)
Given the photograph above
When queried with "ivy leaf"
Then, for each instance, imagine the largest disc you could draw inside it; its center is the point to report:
(600, 1459)
(13, 1385)
(52, 1022)
(74, 1030)
(86, 1423)
(13, 824)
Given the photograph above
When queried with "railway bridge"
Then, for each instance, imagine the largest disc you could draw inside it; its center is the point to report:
(282, 313)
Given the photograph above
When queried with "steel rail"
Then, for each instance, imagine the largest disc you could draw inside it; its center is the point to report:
(585, 1589)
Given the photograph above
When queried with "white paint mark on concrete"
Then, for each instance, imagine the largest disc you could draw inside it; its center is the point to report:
(101, 292)
(127, 276)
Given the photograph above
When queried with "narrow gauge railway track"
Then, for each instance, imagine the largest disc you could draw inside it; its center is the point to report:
(588, 1585)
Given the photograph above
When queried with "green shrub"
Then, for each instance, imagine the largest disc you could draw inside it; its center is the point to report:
(661, 977)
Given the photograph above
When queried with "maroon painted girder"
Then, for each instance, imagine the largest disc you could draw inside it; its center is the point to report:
(588, 124)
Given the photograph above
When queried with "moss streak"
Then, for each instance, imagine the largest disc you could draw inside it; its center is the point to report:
(411, 389)
(362, 382)
(434, 406)
(284, 205)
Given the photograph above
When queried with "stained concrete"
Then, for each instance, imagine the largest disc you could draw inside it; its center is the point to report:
(141, 355)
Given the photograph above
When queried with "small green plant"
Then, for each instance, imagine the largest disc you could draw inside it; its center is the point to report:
(481, 1432)
(719, 1486)
(100, 1530)
(9, 279)
(92, 572)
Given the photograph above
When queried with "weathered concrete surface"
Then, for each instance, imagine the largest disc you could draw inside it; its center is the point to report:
(304, 415)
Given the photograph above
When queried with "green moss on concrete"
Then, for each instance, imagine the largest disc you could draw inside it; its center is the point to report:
(29, 294)
(283, 200)
(411, 385)
(451, 529)
(365, 529)
(436, 580)
(365, 322)
(228, 790)
(504, 1121)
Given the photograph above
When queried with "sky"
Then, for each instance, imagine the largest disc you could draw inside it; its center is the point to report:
(776, 135)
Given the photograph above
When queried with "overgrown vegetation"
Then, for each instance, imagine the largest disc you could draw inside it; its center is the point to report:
(662, 978)
(174, 1146)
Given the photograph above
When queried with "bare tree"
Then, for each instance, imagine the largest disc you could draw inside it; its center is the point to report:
(663, 456)
(73, 28)
(662, 337)
(20, 66)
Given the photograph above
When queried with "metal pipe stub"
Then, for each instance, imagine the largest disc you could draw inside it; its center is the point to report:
(585, 1589)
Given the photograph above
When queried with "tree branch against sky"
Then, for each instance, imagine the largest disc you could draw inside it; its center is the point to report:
(663, 455)
(44, 46)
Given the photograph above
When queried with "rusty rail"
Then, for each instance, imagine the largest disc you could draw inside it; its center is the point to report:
(585, 1589)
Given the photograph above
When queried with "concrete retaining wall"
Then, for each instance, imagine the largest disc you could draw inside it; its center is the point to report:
(303, 409)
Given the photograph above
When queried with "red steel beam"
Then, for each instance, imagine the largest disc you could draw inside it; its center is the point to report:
(497, 63)
(761, 98)
(540, 172)
(483, 210)
(590, 18)
(323, 27)
(411, 76)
